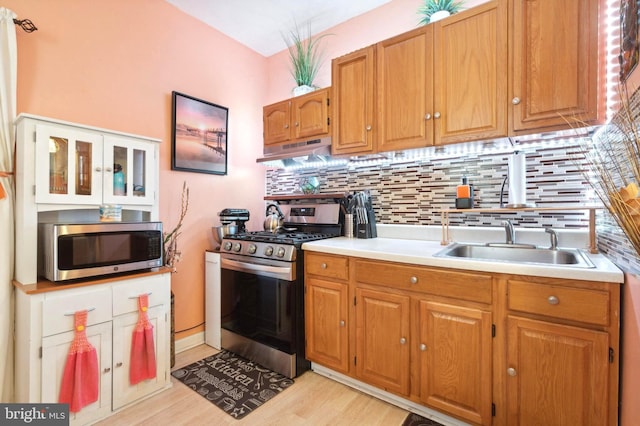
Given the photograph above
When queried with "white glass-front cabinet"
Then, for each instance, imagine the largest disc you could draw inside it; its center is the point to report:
(79, 167)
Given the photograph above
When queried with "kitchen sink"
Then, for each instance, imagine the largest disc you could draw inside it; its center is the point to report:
(517, 254)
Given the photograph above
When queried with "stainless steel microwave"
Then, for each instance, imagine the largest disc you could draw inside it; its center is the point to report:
(72, 251)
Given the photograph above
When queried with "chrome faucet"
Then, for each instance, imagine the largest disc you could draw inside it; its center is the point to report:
(554, 238)
(508, 228)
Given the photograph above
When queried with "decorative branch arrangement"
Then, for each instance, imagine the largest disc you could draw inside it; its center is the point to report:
(613, 165)
(171, 252)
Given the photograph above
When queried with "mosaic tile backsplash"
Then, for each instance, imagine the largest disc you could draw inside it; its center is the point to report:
(415, 191)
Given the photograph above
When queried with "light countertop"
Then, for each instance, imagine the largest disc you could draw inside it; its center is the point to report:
(417, 245)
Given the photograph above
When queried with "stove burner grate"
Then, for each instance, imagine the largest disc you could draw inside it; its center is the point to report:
(280, 238)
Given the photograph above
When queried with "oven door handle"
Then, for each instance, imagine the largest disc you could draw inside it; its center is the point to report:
(280, 272)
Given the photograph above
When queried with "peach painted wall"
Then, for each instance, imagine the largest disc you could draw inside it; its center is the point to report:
(388, 20)
(113, 64)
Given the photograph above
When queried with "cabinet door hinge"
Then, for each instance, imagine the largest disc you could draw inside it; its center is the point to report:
(34, 190)
(355, 360)
(493, 330)
(328, 121)
(354, 301)
(493, 409)
(611, 355)
(328, 102)
(34, 137)
(40, 352)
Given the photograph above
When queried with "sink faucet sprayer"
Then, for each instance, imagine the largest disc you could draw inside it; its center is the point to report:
(508, 228)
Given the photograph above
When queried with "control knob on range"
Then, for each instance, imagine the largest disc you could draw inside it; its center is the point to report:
(252, 249)
(227, 246)
(268, 251)
(237, 247)
(280, 252)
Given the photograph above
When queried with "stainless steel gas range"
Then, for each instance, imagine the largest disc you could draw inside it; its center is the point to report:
(262, 287)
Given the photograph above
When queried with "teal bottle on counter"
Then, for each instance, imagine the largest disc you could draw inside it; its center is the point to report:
(118, 180)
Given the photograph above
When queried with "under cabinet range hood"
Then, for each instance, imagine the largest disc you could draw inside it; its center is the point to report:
(298, 153)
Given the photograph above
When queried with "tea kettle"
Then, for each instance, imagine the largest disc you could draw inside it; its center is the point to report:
(275, 219)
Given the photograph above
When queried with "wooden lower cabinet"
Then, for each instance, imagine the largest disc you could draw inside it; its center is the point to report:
(556, 374)
(455, 360)
(383, 340)
(485, 348)
(326, 315)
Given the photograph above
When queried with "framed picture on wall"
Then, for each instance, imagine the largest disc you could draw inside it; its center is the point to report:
(199, 135)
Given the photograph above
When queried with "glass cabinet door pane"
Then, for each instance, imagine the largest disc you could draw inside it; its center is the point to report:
(139, 173)
(83, 168)
(58, 165)
(120, 170)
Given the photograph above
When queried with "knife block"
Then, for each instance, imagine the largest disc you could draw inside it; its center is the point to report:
(368, 229)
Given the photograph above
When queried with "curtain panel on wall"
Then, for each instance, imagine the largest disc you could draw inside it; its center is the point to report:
(8, 81)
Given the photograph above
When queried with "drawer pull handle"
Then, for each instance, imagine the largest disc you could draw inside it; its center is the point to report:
(515, 100)
(119, 364)
(342, 323)
(436, 115)
(413, 280)
(423, 347)
(106, 370)
(70, 314)
(403, 340)
(512, 372)
(553, 300)
(135, 297)
(368, 128)
(427, 116)
(323, 266)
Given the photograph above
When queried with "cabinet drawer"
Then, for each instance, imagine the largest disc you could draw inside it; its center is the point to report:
(327, 266)
(125, 293)
(58, 308)
(460, 285)
(576, 304)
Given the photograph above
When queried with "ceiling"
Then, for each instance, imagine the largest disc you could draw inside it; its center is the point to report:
(260, 24)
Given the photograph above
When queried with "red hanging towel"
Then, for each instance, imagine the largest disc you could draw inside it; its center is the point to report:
(143, 355)
(79, 385)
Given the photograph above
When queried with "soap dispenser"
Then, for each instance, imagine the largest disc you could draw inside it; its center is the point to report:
(464, 195)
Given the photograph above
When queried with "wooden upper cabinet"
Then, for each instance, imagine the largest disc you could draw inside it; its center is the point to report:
(310, 114)
(352, 78)
(298, 118)
(276, 120)
(471, 65)
(404, 83)
(555, 63)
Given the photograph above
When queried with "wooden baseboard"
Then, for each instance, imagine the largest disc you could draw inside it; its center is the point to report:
(189, 342)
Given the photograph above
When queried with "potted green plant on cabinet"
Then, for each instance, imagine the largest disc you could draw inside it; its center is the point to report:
(434, 10)
(306, 58)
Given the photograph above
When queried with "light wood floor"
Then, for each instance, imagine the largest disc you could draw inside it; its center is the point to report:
(312, 400)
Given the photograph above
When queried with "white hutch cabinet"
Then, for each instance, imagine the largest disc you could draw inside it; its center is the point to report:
(65, 171)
